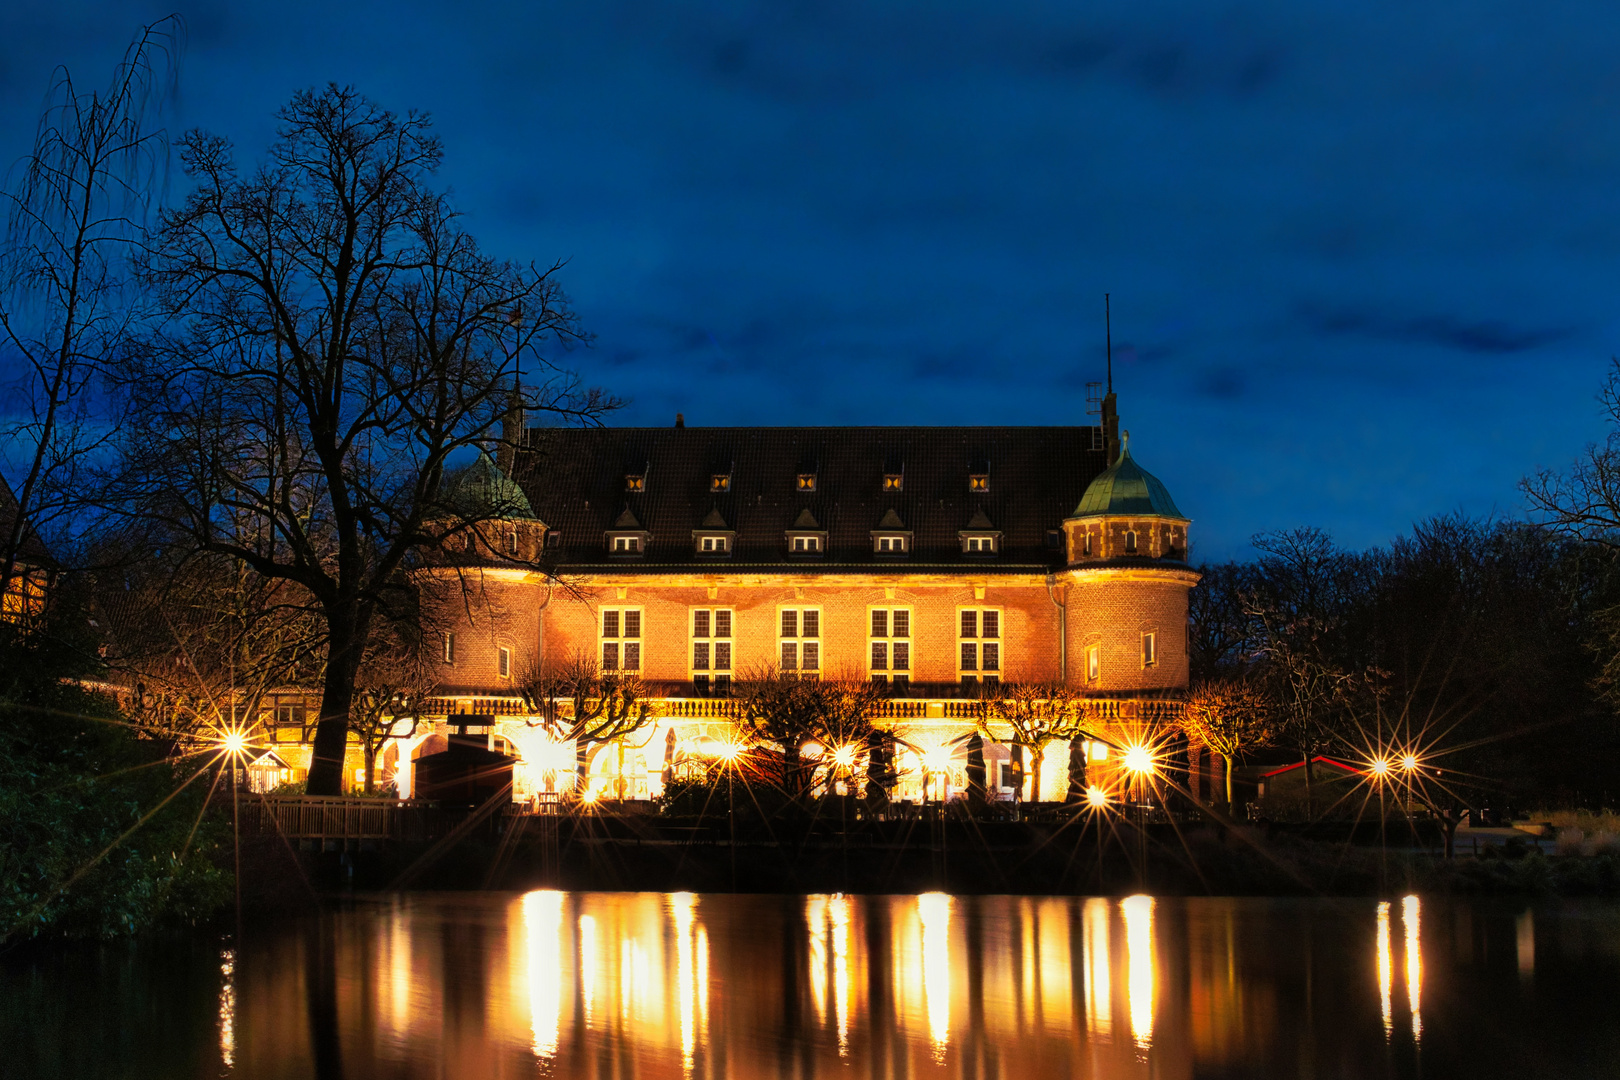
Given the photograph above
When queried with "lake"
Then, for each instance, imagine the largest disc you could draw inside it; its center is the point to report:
(648, 985)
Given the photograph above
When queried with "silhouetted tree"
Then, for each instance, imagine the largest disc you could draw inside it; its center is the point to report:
(334, 340)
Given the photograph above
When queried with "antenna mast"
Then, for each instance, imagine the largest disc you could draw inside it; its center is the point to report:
(1108, 337)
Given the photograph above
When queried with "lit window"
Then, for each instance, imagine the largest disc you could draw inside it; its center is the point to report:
(720, 482)
(1150, 649)
(807, 481)
(979, 644)
(512, 542)
(890, 645)
(621, 639)
(713, 545)
(1085, 545)
(506, 663)
(982, 545)
(893, 481)
(626, 545)
(711, 648)
(1130, 543)
(449, 648)
(800, 640)
(1093, 663)
(891, 545)
(979, 482)
(807, 545)
(635, 482)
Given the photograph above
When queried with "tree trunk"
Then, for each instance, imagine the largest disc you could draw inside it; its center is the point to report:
(332, 730)
(371, 766)
(1015, 754)
(1310, 802)
(792, 770)
(1226, 764)
(1036, 752)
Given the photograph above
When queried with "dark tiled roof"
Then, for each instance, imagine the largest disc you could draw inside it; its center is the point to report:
(32, 550)
(575, 480)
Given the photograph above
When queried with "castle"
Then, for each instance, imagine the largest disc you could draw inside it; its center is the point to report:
(938, 561)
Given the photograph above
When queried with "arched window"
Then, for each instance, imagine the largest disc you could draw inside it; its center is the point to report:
(1130, 542)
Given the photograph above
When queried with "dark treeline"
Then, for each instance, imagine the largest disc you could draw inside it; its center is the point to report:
(1476, 646)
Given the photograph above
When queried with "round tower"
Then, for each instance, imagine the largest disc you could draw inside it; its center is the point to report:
(1128, 578)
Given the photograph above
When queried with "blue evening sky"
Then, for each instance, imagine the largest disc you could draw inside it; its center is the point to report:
(1363, 256)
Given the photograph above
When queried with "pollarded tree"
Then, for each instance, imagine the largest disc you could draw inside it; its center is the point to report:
(1230, 718)
(581, 702)
(1031, 714)
(334, 341)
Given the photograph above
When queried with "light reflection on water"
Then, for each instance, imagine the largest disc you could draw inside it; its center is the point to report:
(650, 985)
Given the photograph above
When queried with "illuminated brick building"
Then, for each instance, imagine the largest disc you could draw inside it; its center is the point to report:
(931, 559)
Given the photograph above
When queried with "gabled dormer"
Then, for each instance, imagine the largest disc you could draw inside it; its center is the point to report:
(806, 539)
(980, 539)
(627, 539)
(891, 538)
(713, 538)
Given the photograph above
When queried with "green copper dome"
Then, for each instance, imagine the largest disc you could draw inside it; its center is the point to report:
(481, 490)
(1125, 489)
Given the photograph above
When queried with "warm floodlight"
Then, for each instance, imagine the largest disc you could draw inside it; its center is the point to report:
(730, 751)
(938, 759)
(1380, 766)
(844, 756)
(1409, 762)
(1096, 798)
(234, 742)
(1139, 759)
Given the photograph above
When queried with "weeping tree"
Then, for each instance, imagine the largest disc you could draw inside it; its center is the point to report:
(333, 341)
(69, 304)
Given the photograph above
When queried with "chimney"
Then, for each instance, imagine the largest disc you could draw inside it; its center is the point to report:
(1110, 426)
(680, 419)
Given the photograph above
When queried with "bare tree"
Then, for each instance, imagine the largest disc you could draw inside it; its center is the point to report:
(391, 690)
(789, 712)
(1585, 502)
(76, 206)
(1230, 718)
(334, 340)
(580, 702)
(1031, 714)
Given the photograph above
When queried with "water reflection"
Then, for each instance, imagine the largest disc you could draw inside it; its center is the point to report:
(1138, 911)
(1411, 917)
(687, 986)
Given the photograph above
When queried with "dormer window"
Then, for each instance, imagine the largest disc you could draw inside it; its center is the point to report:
(713, 545)
(720, 482)
(979, 545)
(635, 482)
(627, 545)
(807, 482)
(893, 481)
(806, 545)
(979, 482)
(891, 545)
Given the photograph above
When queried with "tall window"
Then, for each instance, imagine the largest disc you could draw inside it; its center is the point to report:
(1150, 649)
(890, 643)
(1093, 663)
(979, 644)
(801, 640)
(449, 648)
(1130, 543)
(621, 639)
(504, 662)
(711, 649)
